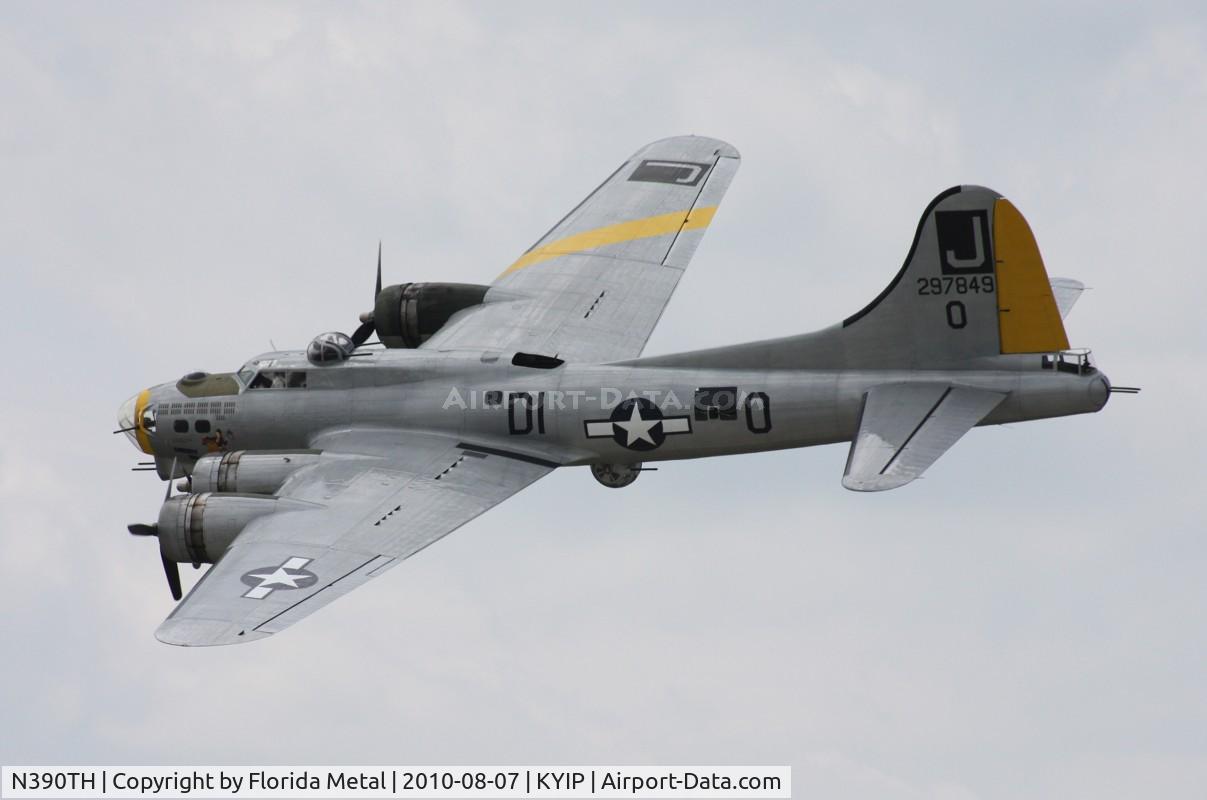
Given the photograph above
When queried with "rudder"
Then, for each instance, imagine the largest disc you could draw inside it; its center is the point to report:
(1029, 319)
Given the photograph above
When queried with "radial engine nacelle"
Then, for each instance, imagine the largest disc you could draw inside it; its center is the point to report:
(248, 471)
(198, 528)
(407, 314)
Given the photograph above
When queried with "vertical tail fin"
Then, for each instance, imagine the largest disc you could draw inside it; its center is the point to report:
(973, 285)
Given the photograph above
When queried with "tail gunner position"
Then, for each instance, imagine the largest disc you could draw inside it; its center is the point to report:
(306, 473)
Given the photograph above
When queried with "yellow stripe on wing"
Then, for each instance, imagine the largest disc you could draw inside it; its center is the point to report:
(646, 228)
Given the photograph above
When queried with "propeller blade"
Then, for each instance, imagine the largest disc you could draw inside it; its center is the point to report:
(171, 476)
(362, 334)
(172, 570)
(377, 291)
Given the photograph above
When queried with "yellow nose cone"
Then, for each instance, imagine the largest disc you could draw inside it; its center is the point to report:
(130, 420)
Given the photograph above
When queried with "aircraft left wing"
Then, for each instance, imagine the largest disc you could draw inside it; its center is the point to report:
(373, 498)
(905, 427)
(593, 287)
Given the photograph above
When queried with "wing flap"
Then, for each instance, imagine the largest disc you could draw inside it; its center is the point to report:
(904, 428)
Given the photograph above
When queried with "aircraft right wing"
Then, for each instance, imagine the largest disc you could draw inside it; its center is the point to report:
(905, 427)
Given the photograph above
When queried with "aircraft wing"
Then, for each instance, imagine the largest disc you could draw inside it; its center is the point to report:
(373, 498)
(904, 428)
(593, 287)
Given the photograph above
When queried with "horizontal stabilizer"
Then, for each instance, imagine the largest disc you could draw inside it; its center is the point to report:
(1067, 292)
(905, 427)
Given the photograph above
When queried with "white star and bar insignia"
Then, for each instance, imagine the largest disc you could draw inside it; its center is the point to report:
(637, 424)
(290, 575)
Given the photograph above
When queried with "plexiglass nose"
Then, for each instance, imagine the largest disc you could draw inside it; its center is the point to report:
(131, 420)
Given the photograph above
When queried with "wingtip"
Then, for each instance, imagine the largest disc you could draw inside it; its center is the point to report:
(881, 484)
(689, 145)
(204, 633)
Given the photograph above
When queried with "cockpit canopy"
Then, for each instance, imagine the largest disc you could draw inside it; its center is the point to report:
(330, 348)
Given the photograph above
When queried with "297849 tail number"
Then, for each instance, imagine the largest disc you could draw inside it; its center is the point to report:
(959, 284)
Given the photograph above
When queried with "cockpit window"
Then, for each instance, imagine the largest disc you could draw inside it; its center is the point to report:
(148, 419)
(247, 372)
(278, 379)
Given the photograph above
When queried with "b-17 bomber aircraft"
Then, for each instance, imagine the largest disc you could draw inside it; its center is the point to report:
(307, 473)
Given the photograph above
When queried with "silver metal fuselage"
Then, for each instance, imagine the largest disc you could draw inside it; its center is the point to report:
(484, 399)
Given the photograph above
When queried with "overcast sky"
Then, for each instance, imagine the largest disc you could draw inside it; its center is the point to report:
(181, 184)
